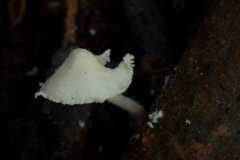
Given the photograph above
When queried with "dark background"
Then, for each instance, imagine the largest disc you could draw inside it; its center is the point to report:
(156, 32)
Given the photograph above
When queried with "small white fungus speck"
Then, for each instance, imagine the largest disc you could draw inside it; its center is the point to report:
(155, 115)
(150, 124)
(166, 80)
(187, 121)
(32, 72)
(137, 136)
(74, 29)
(92, 31)
(81, 123)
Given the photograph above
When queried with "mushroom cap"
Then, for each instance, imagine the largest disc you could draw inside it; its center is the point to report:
(104, 58)
(83, 78)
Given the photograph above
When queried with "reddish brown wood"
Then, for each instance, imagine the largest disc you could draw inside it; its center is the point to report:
(15, 14)
(205, 91)
(71, 9)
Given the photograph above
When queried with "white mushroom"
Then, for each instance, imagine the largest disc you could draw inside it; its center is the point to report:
(83, 78)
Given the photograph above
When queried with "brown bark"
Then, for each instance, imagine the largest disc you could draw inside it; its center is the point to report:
(15, 15)
(201, 103)
(69, 33)
(71, 9)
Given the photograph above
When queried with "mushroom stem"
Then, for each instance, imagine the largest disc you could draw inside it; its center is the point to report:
(129, 105)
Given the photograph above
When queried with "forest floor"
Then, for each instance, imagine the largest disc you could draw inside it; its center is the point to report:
(31, 32)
